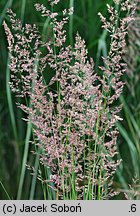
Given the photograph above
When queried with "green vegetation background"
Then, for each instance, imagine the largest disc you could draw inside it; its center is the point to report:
(14, 132)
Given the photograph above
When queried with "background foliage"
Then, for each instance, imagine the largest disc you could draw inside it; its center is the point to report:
(13, 131)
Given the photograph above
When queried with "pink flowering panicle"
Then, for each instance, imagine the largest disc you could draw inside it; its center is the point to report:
(73, 122)
(131, 57)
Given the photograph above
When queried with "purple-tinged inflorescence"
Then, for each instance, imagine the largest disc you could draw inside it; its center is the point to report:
(74, 125)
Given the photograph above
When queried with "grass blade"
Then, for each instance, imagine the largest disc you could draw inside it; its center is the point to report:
(132, 148)
(24, 161)
(23, 5)
(10, 104)
(71, 23)
(8, 5)
(5, 190)
(33, 184)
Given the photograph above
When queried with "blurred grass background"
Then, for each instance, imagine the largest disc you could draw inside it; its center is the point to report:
(14, 133)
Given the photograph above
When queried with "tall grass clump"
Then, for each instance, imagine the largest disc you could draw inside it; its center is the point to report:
(73, 116)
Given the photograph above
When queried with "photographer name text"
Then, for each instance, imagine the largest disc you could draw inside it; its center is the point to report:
(54, 207)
